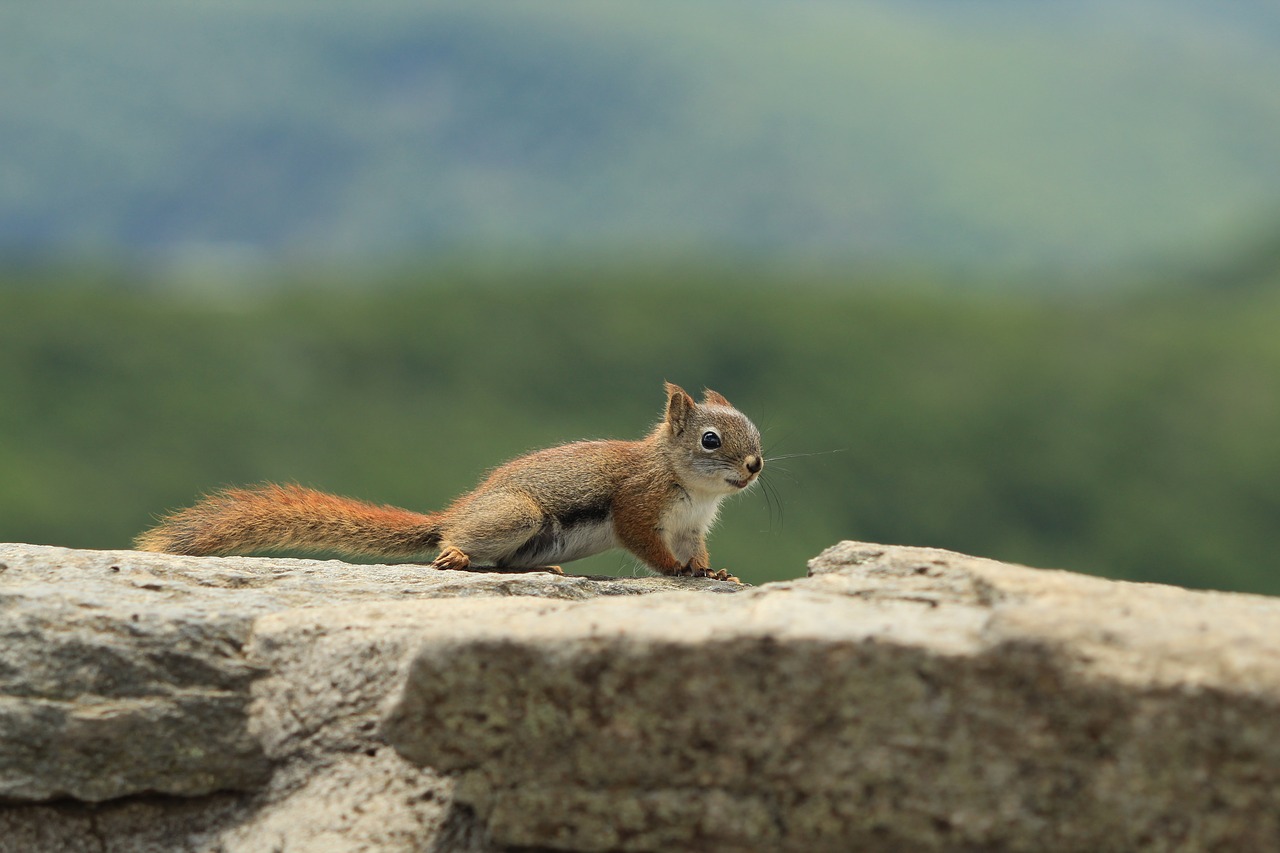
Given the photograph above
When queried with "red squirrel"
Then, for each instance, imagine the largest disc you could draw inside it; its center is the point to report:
(656, 497)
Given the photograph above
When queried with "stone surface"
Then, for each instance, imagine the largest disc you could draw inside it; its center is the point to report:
(152, 702)
(899, 698)
(894, 699)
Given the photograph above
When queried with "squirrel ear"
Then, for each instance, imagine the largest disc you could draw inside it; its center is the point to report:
(711, 398)
(679, 405)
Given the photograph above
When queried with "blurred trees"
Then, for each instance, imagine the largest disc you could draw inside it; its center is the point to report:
(1133, 436)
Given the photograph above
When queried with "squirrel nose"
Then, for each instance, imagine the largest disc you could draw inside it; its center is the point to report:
(754, 464)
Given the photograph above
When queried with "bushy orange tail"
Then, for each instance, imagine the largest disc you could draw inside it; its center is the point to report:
(276, 518)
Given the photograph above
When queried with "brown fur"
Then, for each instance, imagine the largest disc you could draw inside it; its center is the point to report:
(276, 518)
(648, 495)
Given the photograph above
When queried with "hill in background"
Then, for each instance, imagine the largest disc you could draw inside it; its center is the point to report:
(801, 204)
(1028, 135)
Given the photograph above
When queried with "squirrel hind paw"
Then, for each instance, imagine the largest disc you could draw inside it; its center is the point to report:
(451, 558)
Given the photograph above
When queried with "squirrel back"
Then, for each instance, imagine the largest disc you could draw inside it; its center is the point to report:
(656, 497)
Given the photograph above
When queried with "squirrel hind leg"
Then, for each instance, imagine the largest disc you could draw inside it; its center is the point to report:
(501, 529)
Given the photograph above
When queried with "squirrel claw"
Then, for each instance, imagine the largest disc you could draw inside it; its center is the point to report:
(451, 558)
(717, 574)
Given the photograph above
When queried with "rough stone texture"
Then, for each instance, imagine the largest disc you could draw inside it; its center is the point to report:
(895, 699)
(159, 703)
(899, 698)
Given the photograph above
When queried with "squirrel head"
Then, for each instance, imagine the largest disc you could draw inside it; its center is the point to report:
(715, 447)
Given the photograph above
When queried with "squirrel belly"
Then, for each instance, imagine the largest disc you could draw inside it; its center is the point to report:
(656, 497)
(555, 543)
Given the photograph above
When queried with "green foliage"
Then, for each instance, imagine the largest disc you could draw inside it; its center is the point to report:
(1133, 437)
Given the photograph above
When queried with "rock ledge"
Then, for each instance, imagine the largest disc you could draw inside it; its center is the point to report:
(894, 699)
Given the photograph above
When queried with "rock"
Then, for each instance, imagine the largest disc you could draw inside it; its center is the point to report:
(898, 698)
(128, 675)
(894, 699)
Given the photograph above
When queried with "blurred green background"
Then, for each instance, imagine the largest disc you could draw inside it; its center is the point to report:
(1010, 272)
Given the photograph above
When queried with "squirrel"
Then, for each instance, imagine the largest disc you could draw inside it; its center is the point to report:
(656, 497)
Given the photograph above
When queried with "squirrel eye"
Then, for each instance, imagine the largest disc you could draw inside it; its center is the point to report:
(710, 441)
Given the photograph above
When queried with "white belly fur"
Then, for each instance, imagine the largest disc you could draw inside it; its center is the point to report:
(574, 543)
(583, 540)
(686, 522)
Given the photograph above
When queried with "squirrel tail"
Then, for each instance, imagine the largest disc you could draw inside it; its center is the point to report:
(273, 517)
